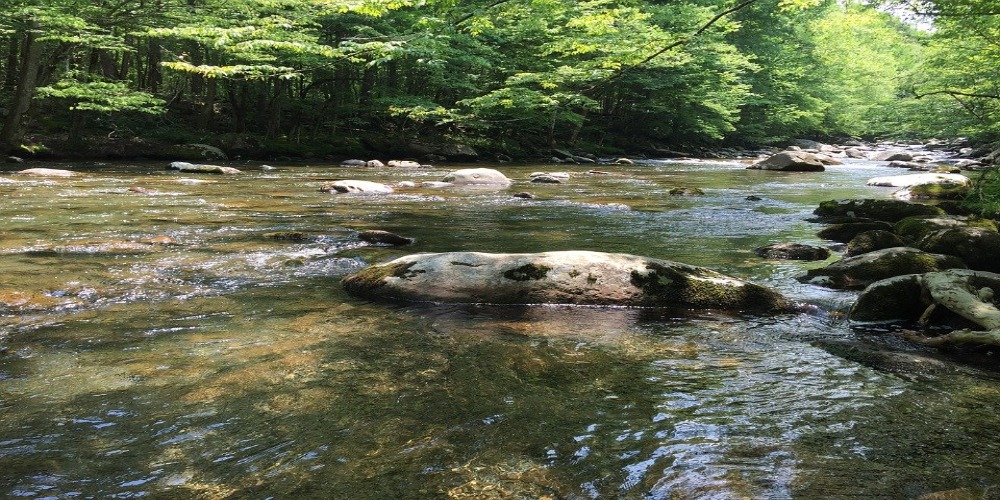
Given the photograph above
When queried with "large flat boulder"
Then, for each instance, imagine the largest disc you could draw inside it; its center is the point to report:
(568, 277)
(194, 168)
(47, 172)
(791, 161)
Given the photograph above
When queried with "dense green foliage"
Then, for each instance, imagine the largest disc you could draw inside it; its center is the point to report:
(332, 75)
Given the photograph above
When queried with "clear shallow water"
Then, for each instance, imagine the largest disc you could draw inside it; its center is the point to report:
(163, 344)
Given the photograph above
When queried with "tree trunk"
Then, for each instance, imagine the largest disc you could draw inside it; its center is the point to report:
(10, 77)
(153, 58)
(206, 120)
(27, 81)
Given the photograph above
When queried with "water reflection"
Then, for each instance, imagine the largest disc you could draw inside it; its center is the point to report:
(159, 344)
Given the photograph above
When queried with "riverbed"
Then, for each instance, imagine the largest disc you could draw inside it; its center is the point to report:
(168, 335)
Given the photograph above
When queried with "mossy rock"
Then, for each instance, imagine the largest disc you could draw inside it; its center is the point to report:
(379, 237)
(978, 247)
(933, 192)
(862, 270)
(569, 277)
(870, 241)
(792, 251)
(846, 232)
(891, 299)
(914, 228)
(884, 210)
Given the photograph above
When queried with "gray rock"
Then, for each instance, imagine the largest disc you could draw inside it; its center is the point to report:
(193, 168)
(892, 156)
(47, 172)
(570, 277)
(919, 179)
(909, 165)
(545, 179)
(356, 187)
(353, 163)
(404, 164)
(790, 161)
(477, 177)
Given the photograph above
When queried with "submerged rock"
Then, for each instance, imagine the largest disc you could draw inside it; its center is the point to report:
(864, 269)
(568, 277)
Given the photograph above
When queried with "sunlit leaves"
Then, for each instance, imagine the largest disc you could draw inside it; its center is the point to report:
(101, 96)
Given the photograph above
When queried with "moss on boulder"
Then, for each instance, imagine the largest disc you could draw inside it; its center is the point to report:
(884, 210)
(569, 277)
(978, 247)
(864, 269)
(847, 231)
(870, 241)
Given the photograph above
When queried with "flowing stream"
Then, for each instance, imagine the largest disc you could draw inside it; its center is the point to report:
(173, 336)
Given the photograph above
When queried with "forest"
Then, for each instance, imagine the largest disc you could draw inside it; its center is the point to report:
(300, 78)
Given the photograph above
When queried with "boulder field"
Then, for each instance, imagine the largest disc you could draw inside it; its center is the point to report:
(566, 277)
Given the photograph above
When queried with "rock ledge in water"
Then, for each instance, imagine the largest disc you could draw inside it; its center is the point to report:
(568, 277)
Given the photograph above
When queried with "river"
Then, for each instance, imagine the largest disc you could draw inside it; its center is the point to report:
(172, 336)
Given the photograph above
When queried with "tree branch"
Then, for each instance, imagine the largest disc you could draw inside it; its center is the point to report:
(955, 93)
(488, 7)
(683, 41)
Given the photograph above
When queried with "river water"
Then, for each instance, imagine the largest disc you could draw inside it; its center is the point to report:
(161, 341)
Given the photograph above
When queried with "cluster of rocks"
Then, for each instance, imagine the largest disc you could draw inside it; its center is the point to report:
(811, 156)
(915, 263)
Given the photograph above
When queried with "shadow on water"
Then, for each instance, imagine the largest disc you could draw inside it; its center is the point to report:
(225, 364)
